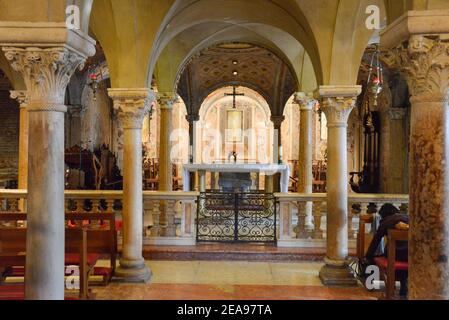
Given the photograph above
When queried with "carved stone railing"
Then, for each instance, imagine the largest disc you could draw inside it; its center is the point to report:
(169, 217)
(296, 229)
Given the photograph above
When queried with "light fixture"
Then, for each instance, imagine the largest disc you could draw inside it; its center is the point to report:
(235, 73)
(374, 84)
(235, 62)
(94, 83)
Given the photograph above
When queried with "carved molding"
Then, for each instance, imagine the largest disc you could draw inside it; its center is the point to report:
(20, 96)
(424, 60)
(132, 105)
(166, 100)
(338, 109)
(46, 73)
(305, 101)
(337, 102)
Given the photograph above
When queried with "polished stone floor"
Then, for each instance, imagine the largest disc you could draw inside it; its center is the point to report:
(215, 280)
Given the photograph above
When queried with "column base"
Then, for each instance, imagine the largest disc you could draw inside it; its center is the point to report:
(338, 275)
(133, 272)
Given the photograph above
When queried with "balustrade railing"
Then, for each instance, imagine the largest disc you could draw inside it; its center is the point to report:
(168, 217)
(302, 226)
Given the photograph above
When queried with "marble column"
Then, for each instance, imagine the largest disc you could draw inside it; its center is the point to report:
(337, 104)
(165, 101)
(132, 105)
(273, 182)
(305, 174)
(21, 97)
(46, 72)
(422, 54)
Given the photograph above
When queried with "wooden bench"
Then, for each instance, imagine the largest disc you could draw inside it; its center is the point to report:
(101, 239)
(387, 266)
(13, 253)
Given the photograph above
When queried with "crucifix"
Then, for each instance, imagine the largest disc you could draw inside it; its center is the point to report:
(234, 94)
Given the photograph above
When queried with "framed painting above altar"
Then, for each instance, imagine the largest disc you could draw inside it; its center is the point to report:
(234, 126)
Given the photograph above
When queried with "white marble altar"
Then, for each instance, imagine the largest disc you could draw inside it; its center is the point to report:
(266, 169)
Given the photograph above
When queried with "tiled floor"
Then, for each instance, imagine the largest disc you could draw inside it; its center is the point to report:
(211, 280)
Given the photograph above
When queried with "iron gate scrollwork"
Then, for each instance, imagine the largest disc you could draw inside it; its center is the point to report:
(236, 217)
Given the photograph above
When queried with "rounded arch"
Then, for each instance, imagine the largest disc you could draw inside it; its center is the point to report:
(274, 29)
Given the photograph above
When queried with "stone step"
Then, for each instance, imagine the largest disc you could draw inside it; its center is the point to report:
(230, 252)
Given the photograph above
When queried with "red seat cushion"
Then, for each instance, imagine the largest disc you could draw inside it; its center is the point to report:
(74, 258)
(12, 292)
(118, 225)
(383, 263)
(102, 271)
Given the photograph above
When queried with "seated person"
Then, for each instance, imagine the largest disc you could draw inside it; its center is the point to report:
(390, 218)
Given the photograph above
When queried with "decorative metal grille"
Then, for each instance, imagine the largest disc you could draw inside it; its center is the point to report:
(236, 217)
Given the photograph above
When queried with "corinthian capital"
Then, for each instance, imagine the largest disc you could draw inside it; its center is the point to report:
(424, 60)
(132, 105)
(166, 100)
(46, 72)
(305, 101)
(338, 102)
(20, 96)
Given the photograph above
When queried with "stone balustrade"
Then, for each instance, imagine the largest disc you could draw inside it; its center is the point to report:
(297, 229)
(169, 217)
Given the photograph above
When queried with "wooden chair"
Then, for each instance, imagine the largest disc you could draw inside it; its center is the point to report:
(387, 266)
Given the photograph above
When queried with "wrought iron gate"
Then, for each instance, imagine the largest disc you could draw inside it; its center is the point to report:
(236, 217)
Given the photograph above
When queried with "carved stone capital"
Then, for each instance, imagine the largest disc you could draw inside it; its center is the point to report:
(166, 100)
(337, 103)
(46, 72)
(305, 101)
(277, 121)
(20, 96)
(397, 113)
(132, 105)
(424, 60)
(192, 118)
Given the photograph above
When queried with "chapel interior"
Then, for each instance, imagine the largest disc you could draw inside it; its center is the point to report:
(173, 149)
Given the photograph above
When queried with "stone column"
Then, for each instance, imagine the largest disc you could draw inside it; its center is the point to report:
(46, 72)
(337, 104)
(192, 118)
(397, 152)
(422, 55)
(75, 114)
(273, 182)
(165, 102)
(305, 174)
(21, 97)
(132, 105)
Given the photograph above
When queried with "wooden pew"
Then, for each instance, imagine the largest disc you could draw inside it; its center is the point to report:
(99, 240)
(13, 250)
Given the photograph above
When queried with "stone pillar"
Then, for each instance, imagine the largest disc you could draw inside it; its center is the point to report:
(21, 97)
(165, 102)
(202, 180)
(422, 55)
(75, 114)
(397, 152)
(337, 104)
(132, 105)
(192, 118)
(273, 182)
(46, 72)
(305, 174)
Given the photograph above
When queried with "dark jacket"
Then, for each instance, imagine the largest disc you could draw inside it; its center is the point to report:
(386, 224)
